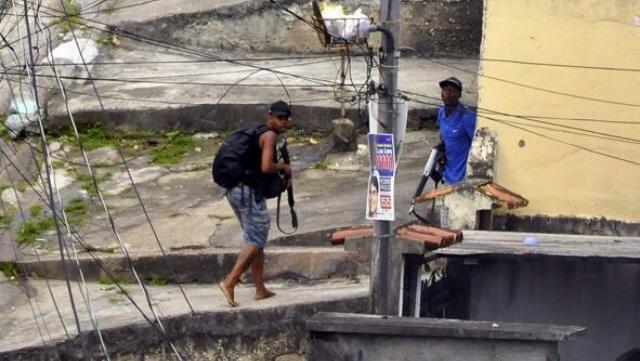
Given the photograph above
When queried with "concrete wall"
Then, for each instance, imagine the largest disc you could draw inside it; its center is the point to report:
(557, 178)
(600, 296)
(248, 335)
(385, 348)
(353, 337)
(429, 26)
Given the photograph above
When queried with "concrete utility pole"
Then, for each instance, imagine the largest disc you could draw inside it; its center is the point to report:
(385, 283)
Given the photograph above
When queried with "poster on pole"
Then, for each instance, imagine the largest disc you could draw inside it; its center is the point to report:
(399, 128)
(381, 177)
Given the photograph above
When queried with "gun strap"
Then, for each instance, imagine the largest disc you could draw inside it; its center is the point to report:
(292, 211)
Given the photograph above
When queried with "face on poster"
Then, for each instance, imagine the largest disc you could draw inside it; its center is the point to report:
(381, 177)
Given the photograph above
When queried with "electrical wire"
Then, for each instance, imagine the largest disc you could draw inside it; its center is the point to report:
(526, 86)
(80, 240)
(522, 128)
(599, 134)
(106, 210)
(47, 167)
(528, 63)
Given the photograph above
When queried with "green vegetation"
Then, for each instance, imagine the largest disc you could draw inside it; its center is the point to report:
(105, 279)
(9, 269)
(96, 137)
(57, 164)
(35, 210)
(4, 132)
(110, 9)
(158, 280)
(31, 230)
(6, 218)
(87, 182)
(177, 146)
(323, 165)
(76, 211)
(22, 186)
(72, 16)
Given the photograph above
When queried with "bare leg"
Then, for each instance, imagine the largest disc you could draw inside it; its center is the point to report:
(257, 270)
(246, 257)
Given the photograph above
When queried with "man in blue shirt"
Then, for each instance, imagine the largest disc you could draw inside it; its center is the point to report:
(457, 125)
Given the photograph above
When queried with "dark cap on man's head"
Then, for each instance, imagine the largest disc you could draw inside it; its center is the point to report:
(452, 81)
(280, 109)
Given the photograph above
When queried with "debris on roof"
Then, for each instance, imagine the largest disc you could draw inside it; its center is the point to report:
(503, 196)
(434, 194)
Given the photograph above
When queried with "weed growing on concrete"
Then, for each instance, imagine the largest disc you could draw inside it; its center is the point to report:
(35, 210)
(87, 182)
(177, 146)
(96, 137)
(4, 133)
(31, 230)
(105, 279)
(22, 186)
(71, 18)
(6, 218)
(157, 280)
(9, 269)
(58, 164)
(322, 165)
(76, 211)
(116, 299)
(109, 39)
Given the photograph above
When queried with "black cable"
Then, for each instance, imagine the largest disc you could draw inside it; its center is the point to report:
(524, 62)
(111, 220)
(507, 123)
(87, 248)
(526, 86)
(51, 201)
(143, 81)
(479, 109)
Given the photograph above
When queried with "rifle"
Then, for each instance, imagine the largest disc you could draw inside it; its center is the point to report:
(287, 178)
(434, 170)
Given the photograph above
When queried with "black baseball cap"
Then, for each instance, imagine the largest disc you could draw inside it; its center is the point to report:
(280, 109)
(452, 81)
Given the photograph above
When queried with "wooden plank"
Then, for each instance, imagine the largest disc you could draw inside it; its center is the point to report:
(483, 243)
(432, 327)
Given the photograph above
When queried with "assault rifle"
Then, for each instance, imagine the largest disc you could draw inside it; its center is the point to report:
(287, 179)
(434, 169)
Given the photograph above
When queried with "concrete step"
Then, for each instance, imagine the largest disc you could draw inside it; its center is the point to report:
(257, 330)
(201, 96)
(302, 264)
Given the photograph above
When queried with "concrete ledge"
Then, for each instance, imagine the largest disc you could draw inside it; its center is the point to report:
(299, 264)
(335, 336)
(252, 335)
(430, 327)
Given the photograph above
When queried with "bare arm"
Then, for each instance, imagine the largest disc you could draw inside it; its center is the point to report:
(268, 141)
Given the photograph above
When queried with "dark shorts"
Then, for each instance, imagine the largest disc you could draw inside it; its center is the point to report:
(252, 214)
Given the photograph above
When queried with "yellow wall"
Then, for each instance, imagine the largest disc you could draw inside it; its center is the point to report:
(559, 179)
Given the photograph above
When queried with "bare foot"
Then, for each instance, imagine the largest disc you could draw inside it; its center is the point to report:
(228, 294)
(264, 294)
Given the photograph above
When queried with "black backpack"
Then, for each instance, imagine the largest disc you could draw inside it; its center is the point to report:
(238, 160)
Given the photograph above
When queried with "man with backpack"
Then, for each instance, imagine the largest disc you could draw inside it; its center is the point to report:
(246, 165)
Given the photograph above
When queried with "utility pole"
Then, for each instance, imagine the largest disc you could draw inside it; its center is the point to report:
(384, 287)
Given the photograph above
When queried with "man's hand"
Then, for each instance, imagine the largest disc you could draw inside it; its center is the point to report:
(285, 168)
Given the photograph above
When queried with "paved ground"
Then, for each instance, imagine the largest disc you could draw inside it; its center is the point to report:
(189, 211)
